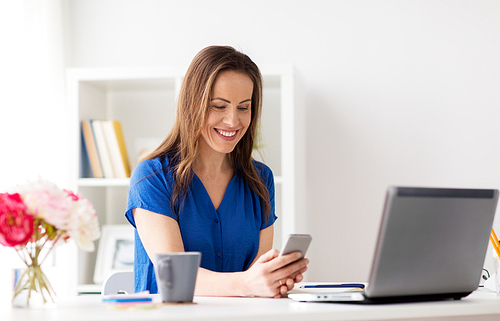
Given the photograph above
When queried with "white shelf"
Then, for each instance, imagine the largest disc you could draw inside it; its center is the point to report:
(103, 182)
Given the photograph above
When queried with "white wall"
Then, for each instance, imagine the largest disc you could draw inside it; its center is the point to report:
(33, 122)
(398, 92)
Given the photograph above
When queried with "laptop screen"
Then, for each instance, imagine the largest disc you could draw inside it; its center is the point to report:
(431, 241)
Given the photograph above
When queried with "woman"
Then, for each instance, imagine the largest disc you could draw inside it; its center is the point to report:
(201, 191)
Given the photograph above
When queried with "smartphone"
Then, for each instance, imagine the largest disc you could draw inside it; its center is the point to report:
(296, 243)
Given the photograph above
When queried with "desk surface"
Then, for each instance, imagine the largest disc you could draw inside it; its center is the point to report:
(481, 305)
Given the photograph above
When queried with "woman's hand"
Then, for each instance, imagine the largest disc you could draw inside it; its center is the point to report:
(273, 276)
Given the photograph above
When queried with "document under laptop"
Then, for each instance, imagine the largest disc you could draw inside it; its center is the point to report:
(431, 245)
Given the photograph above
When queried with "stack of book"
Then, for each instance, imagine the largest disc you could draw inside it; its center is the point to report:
(105, 148)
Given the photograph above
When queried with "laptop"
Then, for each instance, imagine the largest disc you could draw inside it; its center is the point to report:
(431, 245)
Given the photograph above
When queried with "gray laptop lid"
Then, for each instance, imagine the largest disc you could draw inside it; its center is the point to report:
(431, 241)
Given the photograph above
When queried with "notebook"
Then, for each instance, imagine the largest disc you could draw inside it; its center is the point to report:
(431, 245)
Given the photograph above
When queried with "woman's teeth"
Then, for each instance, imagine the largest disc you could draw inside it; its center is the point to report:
(226, 133)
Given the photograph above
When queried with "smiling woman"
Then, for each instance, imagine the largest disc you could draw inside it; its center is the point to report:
(200, 190)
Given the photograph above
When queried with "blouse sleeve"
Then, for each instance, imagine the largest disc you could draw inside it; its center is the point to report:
(267, 176)
(150, 189)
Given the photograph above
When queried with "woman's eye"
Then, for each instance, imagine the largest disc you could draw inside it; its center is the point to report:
(243, 108)
(219, 107)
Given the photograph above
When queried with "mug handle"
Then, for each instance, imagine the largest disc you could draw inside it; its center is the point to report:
(165, 271)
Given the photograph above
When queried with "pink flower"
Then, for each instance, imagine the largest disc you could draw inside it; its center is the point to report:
(16, 226)
(73, 196)
(46, 201)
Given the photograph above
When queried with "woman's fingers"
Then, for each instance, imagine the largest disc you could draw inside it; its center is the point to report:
(283, 290)
(298, 278)
(295, 276)
(274, 263)
(268, 256)
(287, 283)
(285, 286)
(290, 270)
(279, 262)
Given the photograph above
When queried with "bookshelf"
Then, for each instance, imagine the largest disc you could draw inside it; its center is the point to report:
(143, 101)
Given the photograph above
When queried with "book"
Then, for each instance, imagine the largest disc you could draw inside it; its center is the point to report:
(116, 147)
(102, 148)
(123, 147)
(91, 149)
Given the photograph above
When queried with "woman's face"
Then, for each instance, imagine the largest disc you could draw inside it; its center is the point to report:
(230, 111)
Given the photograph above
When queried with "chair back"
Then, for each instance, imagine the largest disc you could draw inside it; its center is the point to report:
(119, 282)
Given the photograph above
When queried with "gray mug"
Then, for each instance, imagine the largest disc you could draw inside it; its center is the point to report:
(176, 275)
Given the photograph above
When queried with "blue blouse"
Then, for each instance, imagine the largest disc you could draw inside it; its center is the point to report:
(228, 238)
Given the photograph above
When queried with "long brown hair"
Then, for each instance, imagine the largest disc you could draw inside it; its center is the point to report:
(181, 145)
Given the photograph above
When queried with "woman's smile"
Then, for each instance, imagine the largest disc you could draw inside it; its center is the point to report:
(226, 134)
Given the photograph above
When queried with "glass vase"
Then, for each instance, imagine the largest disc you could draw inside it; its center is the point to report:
(32, 289)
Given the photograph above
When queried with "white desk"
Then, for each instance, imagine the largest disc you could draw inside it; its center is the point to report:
(482, 305)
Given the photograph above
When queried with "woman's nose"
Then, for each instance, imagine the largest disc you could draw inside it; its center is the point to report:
(231, 117)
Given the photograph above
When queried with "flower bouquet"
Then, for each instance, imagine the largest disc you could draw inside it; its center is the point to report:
(36, 216)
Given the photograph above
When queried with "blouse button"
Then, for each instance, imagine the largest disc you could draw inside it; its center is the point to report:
(216, 221)
(218, 254)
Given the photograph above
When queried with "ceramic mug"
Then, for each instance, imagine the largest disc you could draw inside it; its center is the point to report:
(176, 275)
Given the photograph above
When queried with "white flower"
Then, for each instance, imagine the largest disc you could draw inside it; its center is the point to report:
(83, 224)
